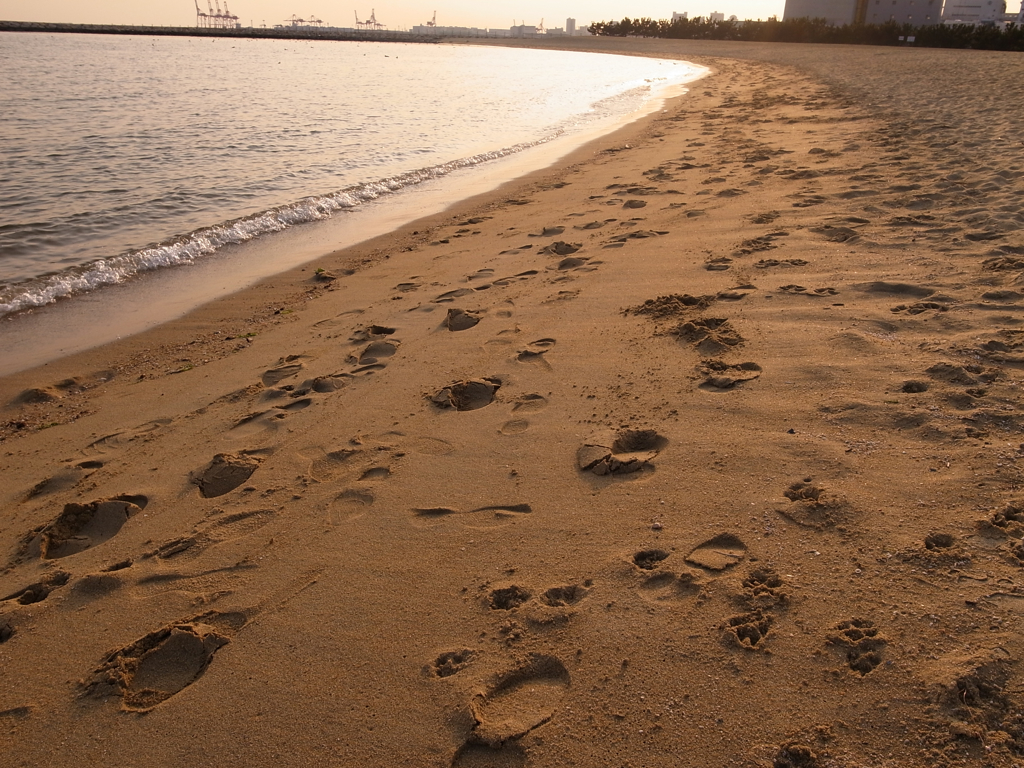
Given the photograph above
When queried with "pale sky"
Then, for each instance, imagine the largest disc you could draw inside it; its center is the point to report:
(396, 14)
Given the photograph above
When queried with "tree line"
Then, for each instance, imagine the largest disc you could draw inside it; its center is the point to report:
(986, 37)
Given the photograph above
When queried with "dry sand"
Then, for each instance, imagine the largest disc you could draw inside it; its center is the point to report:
(700, 449)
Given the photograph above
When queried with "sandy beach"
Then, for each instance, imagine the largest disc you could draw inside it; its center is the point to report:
(699, 448)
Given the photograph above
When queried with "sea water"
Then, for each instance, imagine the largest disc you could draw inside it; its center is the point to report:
(126, 155)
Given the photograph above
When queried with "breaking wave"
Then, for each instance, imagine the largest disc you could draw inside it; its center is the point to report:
(186, 249)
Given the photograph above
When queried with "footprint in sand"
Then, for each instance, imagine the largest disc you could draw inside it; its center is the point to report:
(518, 277)
(812, 506)
(763, 588)
(648, 559)
(451, 663)
(216, 529)
(564, 595)
(156, 667)
(508, 598)
(224, 473)
(350, 504)
(549, 232)
(722, 377)
(519, 701)
(274, 376)
(530, 403)
(719, 553)
(768, 263)
(371, 333)
(374, 352)
(861, 643)
(837, 234)
(481, 517)
(93, 586)
(118, 440)
(450, 296)
(83, 526)
(749, 630)
(666, 586)
(640, 234)
(535, 351)
(514, 427)
(595, 224)
(468, 395)
(561, 248)
(524, 404)
(461, 319)
(39, 591)
(628, 451)
(321, 385)
(709, 335)
(671, 306)
(574, 264)
(65, 479)
(802, 291)
(262, 421)
(918, 307)
(516, 251)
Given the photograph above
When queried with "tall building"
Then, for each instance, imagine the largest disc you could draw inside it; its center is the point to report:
(680, 16)
(920, 13)
(570, 26)
(838, 12)
(716, 16)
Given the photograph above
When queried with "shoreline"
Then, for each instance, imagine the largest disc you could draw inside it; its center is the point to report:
(39, 335)
(705, 441)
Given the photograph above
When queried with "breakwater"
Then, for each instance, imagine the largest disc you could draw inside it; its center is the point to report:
(276, 33)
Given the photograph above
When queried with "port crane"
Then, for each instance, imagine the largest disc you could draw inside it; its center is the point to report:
(370, 23)
(215, 19)
(433, 21)
(295, 21)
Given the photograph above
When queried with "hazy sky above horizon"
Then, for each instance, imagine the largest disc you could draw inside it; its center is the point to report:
(397, 14)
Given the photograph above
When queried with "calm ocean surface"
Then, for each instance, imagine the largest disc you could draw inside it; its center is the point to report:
(128, 154)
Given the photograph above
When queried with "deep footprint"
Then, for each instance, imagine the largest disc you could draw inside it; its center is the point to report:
(719, 553)
(82, 526)
(631, 450)
(164, 662)
(520, 701)
(467, 395)
(224, 473)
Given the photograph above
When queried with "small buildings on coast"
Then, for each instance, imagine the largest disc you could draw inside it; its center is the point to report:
(516, 31)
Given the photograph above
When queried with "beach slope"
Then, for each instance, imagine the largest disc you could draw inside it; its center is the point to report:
(699, 448)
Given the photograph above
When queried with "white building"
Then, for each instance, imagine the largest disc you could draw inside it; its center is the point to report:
(680, 16)
(570, 26)
(973, 11)
(919, 13)
(458, 31)
(716, 16)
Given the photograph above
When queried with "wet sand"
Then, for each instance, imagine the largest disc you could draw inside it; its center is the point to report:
(699, 448)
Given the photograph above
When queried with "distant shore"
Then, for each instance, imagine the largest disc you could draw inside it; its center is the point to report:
(258, 33)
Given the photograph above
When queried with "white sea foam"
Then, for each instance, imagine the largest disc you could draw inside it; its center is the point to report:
(47, 289)
(189, 138)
